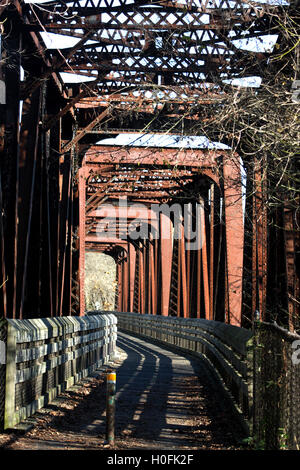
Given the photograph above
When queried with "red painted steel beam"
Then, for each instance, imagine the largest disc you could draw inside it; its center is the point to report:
(203, 161)
(182, 272)
(119, 286)
(204, 259)
(81, 235)
(102, 240)
(198, 280)
(157, 283)
(152, 277)
(84, 131)
(234, 227)
(128, 212)
(216, 250)
(153, 156)
(141, 255)
(51, 121)
(129, 97)
(165, 254)
(187, 228)
(212, 251)
(132, 261)
(32, 84)
(125, 289)
(65, 197)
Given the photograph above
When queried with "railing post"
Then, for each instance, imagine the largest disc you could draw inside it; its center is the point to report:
(10, 381)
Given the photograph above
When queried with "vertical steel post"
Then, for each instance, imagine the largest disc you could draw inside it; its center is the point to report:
(10, 123)
(141, 278)
(132, 261)
(110, 406)
(125, 281)
(234, 232)
(165, 254)
(81, 235)
(120, 285)
(182, 271)
(204, 258)
(28, 176)
(153, 294)
(199, 262)
(188, 228)
(211, 251)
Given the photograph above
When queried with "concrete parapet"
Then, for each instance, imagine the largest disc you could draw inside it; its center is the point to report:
(45, 356)
(227, 350)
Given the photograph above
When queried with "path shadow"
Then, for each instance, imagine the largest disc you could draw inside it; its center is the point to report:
(158, 391)
(204, 397)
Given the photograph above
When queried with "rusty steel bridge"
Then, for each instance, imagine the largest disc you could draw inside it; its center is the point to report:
(153, 68)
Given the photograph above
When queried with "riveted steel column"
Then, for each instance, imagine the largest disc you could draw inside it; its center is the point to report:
(204, 258)
(3, 296)
(292, 277)
(166, 261)
(65, 196)
(120, 283)
(125, 293)
(234, 227)
(28, 176)
(182, 271)
(9, 119)
(188, 228)
(141, 277)
(259, 242)
(152, 295)
(198, 261)
(211, 251)
(217, 255)
(132, 261)
(81, 235)
(156, 277)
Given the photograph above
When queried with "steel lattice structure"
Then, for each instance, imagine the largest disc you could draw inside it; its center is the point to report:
(155, 67)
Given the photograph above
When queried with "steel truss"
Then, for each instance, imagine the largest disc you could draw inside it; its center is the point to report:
(155, 68)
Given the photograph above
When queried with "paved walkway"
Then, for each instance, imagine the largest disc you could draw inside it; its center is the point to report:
(164, 401)
(151, 394)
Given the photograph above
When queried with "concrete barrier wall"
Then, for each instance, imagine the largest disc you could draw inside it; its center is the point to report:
(226, 349)
(46, 356)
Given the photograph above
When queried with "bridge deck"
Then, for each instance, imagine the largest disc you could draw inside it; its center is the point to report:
(164, 401)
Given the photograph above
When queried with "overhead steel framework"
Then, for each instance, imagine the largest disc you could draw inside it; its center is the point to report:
(153, 67)
(174, 192)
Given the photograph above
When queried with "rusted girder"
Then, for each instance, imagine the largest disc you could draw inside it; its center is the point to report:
(32, 84)
(146, 52)
(154, 157)
(54, 119)
(153, 275)
(83, 132)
